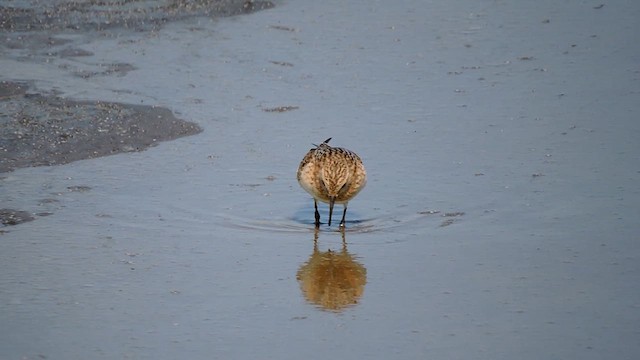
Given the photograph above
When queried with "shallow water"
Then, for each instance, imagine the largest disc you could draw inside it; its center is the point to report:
(499, 219)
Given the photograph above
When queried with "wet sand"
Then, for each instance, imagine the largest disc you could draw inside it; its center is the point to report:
(40, 129)
(94, 15)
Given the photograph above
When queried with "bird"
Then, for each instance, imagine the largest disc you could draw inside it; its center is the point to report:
(332, 175)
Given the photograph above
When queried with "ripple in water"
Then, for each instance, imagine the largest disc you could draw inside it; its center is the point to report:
(303, 223)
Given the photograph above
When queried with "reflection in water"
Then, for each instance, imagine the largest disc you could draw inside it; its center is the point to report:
(330, 279)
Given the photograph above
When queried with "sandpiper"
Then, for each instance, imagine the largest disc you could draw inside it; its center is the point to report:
(332, 175)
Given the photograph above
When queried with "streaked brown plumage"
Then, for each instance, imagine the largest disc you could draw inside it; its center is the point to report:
(332, 175)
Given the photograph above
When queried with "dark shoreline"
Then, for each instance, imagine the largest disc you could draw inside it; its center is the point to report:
(43, 129)
(98, 15)
(39, 129)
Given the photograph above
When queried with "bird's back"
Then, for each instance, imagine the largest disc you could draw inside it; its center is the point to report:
(326, 171)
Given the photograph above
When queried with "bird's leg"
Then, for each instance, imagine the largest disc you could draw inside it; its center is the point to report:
(344, 214)
(331, 202)
(315, 204)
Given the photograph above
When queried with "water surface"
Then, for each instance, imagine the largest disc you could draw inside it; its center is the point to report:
(499, 220)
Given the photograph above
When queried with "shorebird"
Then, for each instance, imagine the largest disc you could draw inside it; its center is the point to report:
(332, 175)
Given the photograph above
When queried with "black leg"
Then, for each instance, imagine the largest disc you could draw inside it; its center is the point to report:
(330, 211)
(315, 204)
(344, 215)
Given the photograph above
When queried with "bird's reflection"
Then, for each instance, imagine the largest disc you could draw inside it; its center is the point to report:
(333, 280)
